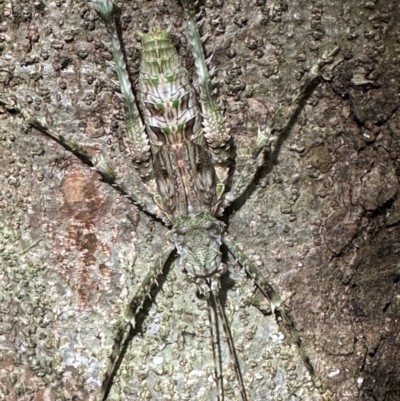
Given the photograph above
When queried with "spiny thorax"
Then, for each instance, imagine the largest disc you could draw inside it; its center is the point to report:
(198, 238)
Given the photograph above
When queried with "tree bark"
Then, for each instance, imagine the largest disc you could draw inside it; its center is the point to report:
(323, 223)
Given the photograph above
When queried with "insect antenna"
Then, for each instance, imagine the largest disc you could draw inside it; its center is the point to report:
(231, 346)
(215, 313)
(215, 341)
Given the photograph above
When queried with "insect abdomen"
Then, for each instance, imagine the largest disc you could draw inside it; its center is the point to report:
(169, 105)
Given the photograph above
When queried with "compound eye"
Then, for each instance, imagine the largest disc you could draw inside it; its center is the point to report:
(214, 231)
(178, 239)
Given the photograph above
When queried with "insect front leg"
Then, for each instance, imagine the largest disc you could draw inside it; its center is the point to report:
(277, 306)
(140, 195)
(127, 328)
(215, 131)
(255, 274)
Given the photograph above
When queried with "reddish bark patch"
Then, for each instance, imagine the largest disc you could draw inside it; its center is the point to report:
(82, 213)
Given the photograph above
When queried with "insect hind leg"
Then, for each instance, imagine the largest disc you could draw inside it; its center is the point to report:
(215, 131)
(136, 139)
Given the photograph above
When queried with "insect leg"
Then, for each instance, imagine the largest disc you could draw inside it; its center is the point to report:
(215, 132)
(280, 123)
(268, 291)
(136, 139)
(127, 329)
(278, 307)
(141, 197)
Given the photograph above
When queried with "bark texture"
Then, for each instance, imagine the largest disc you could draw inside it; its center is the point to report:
(323, 223)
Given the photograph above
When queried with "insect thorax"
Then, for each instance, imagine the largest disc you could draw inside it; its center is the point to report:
(198, 239)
